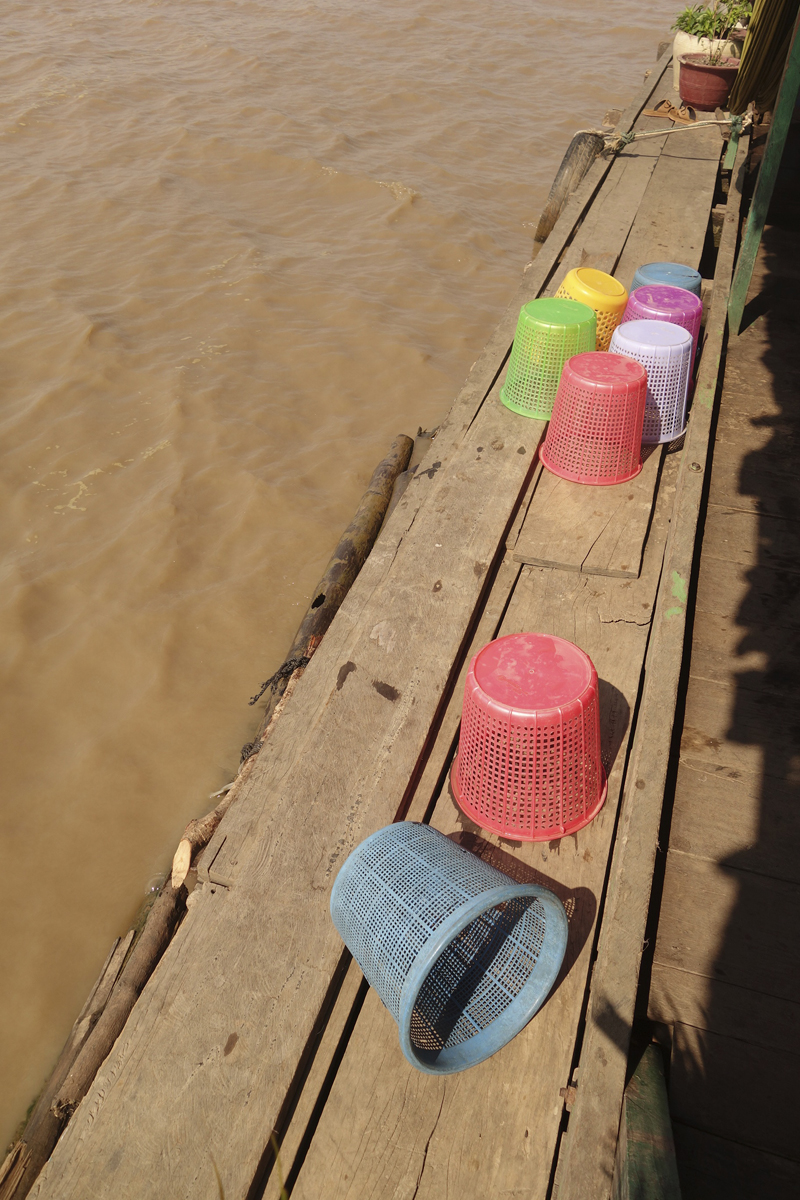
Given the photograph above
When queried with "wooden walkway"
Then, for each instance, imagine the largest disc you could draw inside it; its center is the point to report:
(727, 961)
(256, 1029)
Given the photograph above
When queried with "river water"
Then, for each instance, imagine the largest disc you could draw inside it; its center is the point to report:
(244, 245)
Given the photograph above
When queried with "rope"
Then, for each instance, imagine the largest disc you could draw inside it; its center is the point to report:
(618, 142)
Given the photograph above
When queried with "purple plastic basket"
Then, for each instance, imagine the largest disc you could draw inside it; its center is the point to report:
(661, 302)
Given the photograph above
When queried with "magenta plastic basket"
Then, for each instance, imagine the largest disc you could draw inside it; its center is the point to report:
(662, 302)
(528, 764)
(595, 432)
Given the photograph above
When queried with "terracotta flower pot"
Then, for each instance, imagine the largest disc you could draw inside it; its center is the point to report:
(706, 87)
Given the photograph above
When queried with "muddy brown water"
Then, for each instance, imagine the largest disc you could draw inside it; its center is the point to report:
(243, 245)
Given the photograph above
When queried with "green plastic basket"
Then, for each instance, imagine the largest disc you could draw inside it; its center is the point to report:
(548, 333)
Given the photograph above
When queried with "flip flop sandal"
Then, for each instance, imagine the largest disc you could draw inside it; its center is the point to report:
(665, 109)
(685, 115)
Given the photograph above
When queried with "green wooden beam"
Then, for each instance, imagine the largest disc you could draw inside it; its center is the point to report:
(645, 1168)
(765, 184)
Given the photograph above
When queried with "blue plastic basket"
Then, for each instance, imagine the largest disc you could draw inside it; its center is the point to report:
(675, 274)
(460, 954)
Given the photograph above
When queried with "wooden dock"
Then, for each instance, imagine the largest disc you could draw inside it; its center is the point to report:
(256, 1058)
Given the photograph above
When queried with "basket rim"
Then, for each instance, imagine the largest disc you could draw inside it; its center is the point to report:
(522, 1008)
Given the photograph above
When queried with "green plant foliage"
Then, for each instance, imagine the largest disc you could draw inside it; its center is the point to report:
(713, 21)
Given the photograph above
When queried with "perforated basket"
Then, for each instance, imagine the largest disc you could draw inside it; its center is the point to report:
(460, 954)
(529, 763)
(604, 295)
(595, 432)
(665, 351)
(675, 274)
(548, 333)
(662, 302)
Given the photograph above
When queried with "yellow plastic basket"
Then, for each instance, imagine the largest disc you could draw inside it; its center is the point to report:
(602, 293)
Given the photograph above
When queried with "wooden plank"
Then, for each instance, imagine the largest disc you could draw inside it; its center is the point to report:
(725, 1008)
(747, 933)
(736, 535)
(739, 818)
(646, 1168)
(715, 1168)
(598, 530)
(302, 1127)
(741, 729)
(673, 217)
(763, 661)
(389, 1130)
(761, 484)
(594, 1122)
(765, 184)
(724, 591)
(291, 1145)
(735, 1090)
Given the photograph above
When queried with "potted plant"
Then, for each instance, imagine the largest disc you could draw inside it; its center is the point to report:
(706, 55)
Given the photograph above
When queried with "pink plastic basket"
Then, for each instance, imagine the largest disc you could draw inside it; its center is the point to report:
(662, 302)
(595, 432)
(528, 764)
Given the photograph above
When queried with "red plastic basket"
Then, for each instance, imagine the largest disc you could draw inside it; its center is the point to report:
(595, 432)
(528, 764)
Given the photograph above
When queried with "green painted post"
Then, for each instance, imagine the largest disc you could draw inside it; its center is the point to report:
(730, 154)
(765, 184)
(645, 1168)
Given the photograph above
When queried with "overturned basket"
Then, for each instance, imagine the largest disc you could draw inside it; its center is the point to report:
(460, 954)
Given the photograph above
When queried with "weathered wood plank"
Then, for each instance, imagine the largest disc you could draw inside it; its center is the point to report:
(772, 664)
(747, 935)
(728, 591)
(598, 530)
(749, 538)
(672, 220)
(594, 1122)
(715, 1168)
(765, 487)
(737, 818)
(726, 1008)
(738, 728)
(735, 1090)
(387, 1130)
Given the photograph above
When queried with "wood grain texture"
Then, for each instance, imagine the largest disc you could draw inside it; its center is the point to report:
(389, 1131)
(594, 1122)
(729, 1009)
(720, 815)
(715, 1168)
(741, 536)
(742, 729)
(747, 935)
(671, 222)
(735, 1090)
(724, 590)
(597, 530)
